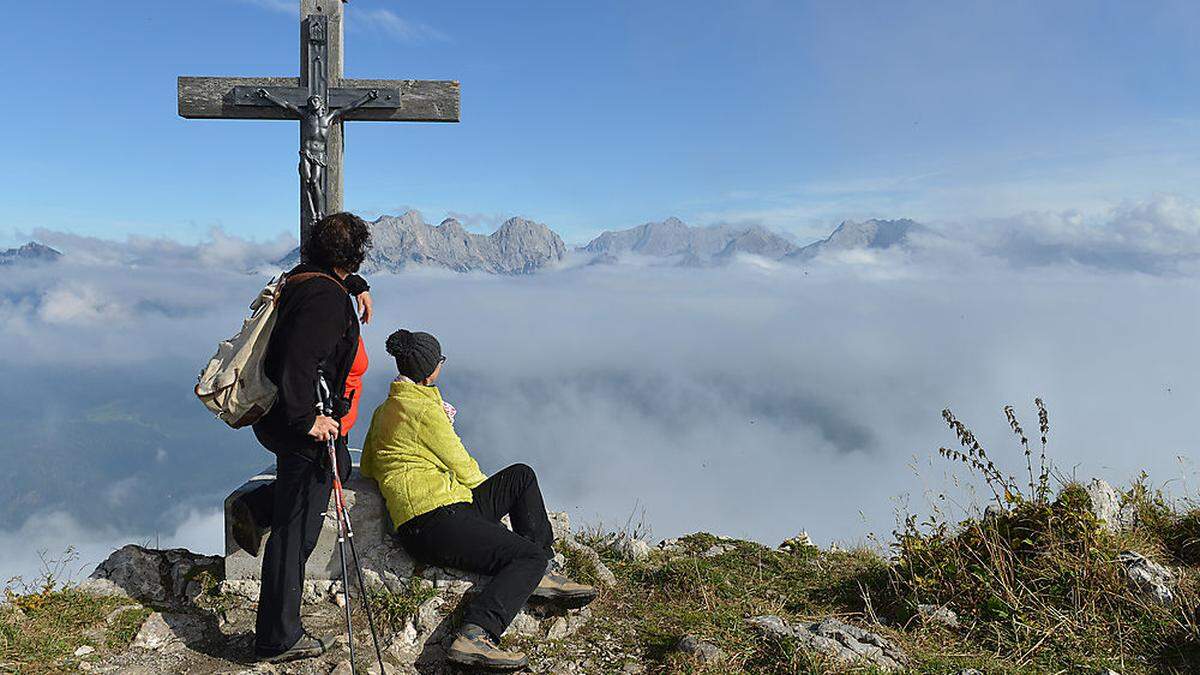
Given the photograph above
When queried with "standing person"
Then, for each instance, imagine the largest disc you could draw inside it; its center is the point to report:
(448, 512)
(316, 331)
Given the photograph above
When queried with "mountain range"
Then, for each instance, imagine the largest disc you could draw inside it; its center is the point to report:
(522, 246)
(682, 244)
(31, 252)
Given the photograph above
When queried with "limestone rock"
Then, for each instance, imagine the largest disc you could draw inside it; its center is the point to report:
(798, 543)
(101, 588)
(372, 579)
(313, 592)
(1106, 506)
(318, 591)
(406, 640)
(628, 548)
(390, 669)
(558, 629)
(560, 524)
(568, 625)
(578, 619)
(846, 645)
(671, 546)
(524, 624)
(603, 574)
(703, 650)
(429, 618)
(161, 630)
(405, 650)
(1154, 580)
(717, 549)
(243, 589)
(84, 650)
(159, 578)
(936, 614)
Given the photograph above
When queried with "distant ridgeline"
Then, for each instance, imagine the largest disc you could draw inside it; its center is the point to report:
(522, 246)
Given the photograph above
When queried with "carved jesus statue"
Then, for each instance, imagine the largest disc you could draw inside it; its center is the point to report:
(315, 120)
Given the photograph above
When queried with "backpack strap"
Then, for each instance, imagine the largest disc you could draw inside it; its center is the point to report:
(305, 276)
(289, 279)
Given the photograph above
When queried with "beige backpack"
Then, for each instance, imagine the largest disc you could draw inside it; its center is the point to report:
(233, 385)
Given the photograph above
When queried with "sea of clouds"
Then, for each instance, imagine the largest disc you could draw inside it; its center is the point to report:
(755, 399)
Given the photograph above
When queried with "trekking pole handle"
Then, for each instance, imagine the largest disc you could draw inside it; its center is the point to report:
(324, 395)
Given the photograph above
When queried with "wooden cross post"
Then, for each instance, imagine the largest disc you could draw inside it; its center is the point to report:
(321, 99)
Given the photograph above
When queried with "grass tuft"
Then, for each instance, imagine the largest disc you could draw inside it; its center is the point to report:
(395, 608)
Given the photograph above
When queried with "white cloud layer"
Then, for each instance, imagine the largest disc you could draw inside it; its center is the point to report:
(756, 399)
(41, 543)
(220, 251)
(1158, 235)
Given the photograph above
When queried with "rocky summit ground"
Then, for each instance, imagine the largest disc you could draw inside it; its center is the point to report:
(1090, 579)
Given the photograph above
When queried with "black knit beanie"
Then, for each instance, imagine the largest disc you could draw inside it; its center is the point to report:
(417, 354)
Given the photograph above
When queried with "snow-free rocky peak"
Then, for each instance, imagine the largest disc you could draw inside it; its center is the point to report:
(30, 253)
(869, 234)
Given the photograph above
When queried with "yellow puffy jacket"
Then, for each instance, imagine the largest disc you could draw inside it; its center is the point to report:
(412, 451)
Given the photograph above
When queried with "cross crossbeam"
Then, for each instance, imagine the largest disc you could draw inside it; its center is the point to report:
(211, 98)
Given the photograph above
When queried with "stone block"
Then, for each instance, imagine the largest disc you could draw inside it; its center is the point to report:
(377, 548)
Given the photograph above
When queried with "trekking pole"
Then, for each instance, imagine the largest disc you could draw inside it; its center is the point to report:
(325, 407)
(344, 526)
(362, 587)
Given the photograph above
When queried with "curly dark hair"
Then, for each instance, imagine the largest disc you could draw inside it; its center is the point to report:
(340, 240)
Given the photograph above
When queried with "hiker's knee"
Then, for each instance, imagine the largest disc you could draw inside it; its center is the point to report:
(535, 555)
(523, 472)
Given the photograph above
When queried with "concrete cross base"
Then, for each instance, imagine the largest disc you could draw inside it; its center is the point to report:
(378, 550)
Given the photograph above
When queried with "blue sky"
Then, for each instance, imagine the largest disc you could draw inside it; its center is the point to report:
(590, 116)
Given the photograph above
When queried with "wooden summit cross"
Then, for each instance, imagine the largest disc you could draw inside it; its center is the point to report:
(321, 99)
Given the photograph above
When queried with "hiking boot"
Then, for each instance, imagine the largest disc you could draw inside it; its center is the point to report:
(306, 647)
(246, 533)
(474, 648)
(559, 590)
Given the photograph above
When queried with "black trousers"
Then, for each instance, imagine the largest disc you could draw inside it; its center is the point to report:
(469, 537)
(293, 506)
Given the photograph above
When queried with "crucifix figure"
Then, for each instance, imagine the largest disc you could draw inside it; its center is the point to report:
(315, 121)
(321, 99)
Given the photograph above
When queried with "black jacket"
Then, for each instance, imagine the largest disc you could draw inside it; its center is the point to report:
(315, 328)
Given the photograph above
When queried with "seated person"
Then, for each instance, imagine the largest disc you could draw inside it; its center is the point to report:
(448, 513)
